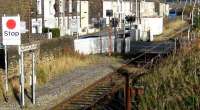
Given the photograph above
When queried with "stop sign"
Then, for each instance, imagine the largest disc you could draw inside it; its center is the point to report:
(11, 30)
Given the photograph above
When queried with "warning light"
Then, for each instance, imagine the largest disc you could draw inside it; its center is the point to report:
(11, 24)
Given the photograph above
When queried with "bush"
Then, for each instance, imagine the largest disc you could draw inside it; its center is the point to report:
(45, 30)
(55, 32)
(197, 22)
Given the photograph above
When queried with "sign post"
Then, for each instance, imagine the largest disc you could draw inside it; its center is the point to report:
(22, 79)
(31, 48)
(33, 78)
(11, 36)
(6, 69)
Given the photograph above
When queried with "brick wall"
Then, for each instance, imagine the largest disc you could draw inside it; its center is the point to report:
(49, 50)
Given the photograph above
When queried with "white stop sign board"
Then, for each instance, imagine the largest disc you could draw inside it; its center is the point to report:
(11, 30)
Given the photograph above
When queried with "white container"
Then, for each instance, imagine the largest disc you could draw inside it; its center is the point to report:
(155, 24)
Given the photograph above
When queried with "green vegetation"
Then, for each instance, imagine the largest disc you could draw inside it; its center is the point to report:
(175, 83)
(65, 63)
(55, 32)
(196, 23)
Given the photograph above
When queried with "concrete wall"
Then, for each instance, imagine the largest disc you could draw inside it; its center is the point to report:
(93, 45)
(154, 24)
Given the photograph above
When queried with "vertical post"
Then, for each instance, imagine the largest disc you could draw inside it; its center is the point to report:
(58, 13)
(110, 41)
(36, 15)
(175, 45)
(188, 34)
(33, 77)
(30, 20)
(20, 71)
(136, 11)
(6, 69)
(101, 48)
(127, 93)
(22, 79)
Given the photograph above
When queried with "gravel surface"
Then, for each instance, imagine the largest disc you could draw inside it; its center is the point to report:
(62, 87)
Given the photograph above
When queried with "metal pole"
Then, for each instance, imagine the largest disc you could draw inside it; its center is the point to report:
(6, 69)
(110, 41)
(33, 77)
(136, 11)
(36, 16)
(127, 93)
(20, 70)
(22, 79)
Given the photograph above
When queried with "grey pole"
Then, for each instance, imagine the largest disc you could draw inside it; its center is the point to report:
(6, 69)
(33, 77)
(22, 79)
(20, 70)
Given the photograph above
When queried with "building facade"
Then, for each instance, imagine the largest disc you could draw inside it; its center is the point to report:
(68, 15)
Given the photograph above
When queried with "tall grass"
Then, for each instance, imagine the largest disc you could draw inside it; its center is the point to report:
(174, 84)
(65, 63)
(170, 27)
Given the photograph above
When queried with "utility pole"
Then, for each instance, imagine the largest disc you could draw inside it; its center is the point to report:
(36, 16)
(42, 3)
(30, 24)
(136, 10)
(124, 37)
(58, 13)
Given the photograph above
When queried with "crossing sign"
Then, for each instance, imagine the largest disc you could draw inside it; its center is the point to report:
(11, 30)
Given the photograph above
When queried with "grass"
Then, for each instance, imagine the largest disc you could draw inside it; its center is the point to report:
(170, 28)
(173, 84)
(67, 63)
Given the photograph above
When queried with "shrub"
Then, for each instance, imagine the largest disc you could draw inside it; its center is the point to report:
(45, 30)
(55, 31)
(197, 22)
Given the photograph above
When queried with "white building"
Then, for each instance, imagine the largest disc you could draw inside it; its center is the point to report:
(128, 8)
(120, 9)
(148, 18)
(164, 9)
(72, 16)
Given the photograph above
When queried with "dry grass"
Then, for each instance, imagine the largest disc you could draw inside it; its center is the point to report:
(174, 84)
(66, 63)
(171, 28)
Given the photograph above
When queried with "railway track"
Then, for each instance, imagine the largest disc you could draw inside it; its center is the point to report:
(91, 95)
(105, 87)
